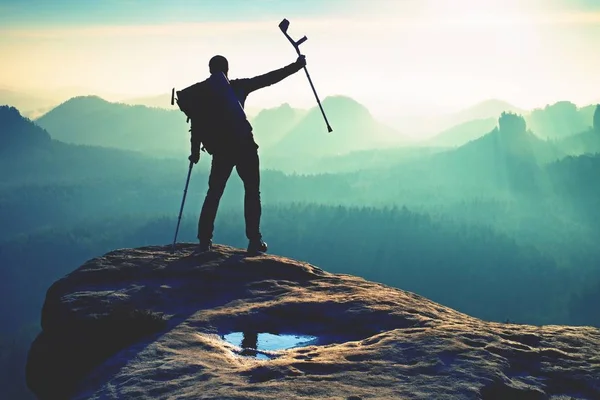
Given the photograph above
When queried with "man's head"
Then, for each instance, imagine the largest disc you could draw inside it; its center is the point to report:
(218, 64)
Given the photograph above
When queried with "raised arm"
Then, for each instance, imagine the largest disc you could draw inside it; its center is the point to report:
(258, 82)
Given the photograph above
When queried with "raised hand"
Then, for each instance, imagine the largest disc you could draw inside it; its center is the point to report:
(301, 61)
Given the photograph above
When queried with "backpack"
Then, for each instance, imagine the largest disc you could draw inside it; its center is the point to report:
(217, 117)
(194, 102)
(191, 99)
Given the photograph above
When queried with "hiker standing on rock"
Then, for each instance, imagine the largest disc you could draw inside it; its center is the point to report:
(239, 151)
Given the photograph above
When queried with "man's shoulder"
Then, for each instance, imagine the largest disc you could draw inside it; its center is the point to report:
(238, 81)
(241, 87)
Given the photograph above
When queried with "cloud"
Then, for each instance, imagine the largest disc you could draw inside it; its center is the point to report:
(372, 23)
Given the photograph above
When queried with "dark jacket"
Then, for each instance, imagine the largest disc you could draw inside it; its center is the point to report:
(242, 88)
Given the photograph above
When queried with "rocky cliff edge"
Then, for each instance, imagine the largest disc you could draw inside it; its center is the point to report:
(146, 323)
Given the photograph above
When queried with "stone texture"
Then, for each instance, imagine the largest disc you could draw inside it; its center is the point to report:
(146, 324)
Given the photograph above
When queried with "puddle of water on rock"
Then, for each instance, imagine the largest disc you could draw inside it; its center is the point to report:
(255, 345)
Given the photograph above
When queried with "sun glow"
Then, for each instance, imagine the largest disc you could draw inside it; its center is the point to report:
(394, 57)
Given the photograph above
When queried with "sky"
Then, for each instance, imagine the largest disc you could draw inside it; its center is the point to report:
(397, 57)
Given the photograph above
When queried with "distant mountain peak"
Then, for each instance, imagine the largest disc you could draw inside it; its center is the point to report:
(342, 99)
(512, 123)
(87, 98)
(7, 111)
(490, 107)
(91, 120)
(284, 106)
(340, 104)
(18, 132)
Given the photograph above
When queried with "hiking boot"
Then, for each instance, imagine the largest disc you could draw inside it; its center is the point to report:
(204, 246)
(257, 246)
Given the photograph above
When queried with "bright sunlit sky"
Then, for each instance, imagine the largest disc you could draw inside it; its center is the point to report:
(394, 56)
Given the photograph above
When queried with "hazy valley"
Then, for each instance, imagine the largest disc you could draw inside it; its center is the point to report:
(494, 212)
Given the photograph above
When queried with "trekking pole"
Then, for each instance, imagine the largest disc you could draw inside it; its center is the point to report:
(284, 25)
(187, 182)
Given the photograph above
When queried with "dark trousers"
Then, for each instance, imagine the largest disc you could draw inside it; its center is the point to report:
(245, 160)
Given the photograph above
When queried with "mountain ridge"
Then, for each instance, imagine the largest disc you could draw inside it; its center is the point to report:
(354, 128)
(428, 125)
(19, 133)
(91, 120)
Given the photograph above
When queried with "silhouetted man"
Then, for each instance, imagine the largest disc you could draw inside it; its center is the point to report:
(241, 153)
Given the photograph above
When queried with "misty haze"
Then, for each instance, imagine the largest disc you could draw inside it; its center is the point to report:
(463, 164)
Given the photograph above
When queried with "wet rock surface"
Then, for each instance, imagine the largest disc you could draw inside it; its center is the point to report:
(146, 323)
